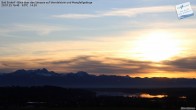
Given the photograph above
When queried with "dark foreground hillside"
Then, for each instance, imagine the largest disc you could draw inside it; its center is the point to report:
(55, 98)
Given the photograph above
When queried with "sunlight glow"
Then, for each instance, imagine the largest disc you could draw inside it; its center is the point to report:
(156, 46)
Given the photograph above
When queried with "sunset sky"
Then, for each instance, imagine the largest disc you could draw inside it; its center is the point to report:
(139, 38)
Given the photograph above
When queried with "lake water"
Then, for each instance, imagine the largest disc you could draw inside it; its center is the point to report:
(136, 95)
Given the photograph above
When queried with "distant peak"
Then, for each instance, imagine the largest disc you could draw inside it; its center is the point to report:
(43, 70)
(82, 73)
(20, 71)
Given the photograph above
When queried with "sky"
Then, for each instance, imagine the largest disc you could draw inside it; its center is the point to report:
(139, 38)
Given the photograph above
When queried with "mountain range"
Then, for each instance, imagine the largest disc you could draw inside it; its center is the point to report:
(81, 79)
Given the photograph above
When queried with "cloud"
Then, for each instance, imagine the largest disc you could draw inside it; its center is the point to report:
(118, 66)
(107, 66)
(8, 66)
(76, 16)
(182, 64)
(40, 29)
(127, 12)
(93, 64)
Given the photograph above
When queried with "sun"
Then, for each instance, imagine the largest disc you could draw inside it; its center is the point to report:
(156, 46)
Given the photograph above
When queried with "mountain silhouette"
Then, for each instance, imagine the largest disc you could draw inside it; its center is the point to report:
(42, 72)
(81, 79)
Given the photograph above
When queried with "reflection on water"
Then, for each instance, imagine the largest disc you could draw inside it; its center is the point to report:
(136, 95)
(182, 97)
(35, 102)
(145, 95)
